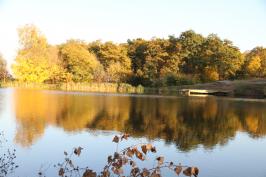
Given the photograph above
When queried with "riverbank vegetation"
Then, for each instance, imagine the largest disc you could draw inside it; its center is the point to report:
(184, 60)
(122, 160)
(71, 86)
(7, 158)
(249, 88)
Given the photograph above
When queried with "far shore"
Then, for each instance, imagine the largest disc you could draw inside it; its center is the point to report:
(255, 88)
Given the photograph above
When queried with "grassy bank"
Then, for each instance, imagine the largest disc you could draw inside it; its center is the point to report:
(89, 87)
(255, 88)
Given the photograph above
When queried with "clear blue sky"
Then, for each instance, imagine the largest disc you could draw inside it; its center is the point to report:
(242, 21)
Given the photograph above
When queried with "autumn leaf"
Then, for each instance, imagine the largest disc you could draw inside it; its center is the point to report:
(135, 149)
(144, 149)
(130, 152)
(105, 173)
(155, 174)
(124, 160)
(116, 155)
(119, 163)
(114, 164)
(160, 160)
(61, 172)
(134, 171)
(195, 171)
(132, 163)
(145, 172)
(71, 164)
(139, 155)
(89, 173)
(178, 170)
(77, 151)
(125, 136)
(117, 171)
(109, 159)
(191, 171)
(153, 149)
(116, 139)
(148, 147)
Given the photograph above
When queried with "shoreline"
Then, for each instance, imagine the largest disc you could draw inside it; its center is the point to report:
(247, 89)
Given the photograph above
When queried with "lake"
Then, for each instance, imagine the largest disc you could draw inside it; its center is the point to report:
(224, 137)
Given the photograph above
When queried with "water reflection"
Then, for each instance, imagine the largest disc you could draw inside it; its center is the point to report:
(187, 122)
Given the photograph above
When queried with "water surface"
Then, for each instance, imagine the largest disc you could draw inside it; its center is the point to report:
(223, 137)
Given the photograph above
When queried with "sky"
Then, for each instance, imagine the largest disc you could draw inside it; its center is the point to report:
(241, 21)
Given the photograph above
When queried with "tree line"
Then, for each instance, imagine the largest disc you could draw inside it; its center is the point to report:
(186, 59)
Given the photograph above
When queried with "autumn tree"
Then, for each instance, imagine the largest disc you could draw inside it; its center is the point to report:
(185, 59)
(212, 58)
(33, 62)
(114, 58)
(136, 52)
(58, 73)
(81, 65)
(255, 62)
(3, 69)
(222, 56)
(155, 59)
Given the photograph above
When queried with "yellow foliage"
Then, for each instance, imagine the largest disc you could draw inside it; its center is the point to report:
(254, 65)
(82, 64)
(26, 70)
(30, 38)
(34, 62)
(211, 74)
(116, 72)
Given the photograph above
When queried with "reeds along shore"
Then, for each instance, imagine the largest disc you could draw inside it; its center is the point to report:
(89, 87)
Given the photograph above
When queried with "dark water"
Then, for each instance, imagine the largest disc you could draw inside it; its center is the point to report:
(223, 137)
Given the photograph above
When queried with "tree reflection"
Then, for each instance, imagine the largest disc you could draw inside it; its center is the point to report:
(187, 122)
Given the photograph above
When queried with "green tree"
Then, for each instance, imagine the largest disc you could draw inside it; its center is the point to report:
(81, 65)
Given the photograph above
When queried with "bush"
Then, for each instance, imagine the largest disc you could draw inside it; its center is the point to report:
(120, 160)
(177, 80)
(210, 74)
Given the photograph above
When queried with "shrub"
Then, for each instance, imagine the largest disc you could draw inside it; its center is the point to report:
(121, 159)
